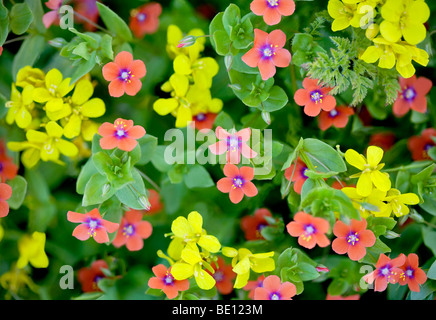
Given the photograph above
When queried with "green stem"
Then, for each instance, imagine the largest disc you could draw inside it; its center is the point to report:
(410, 166)
(16, 39)
(93, 23)
(148, 179)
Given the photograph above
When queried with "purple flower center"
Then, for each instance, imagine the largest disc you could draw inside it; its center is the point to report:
(125, 75)
(303, 172)
(218, 276)
(409, 273)
(272, 3)
(120, 128)
(316, 96)
(426, 148)
(353, 238)
(128, 230)
(409, 94)
(1, 166)
(93, 224)
(238, 182)
(234, 143)
(168, 280)
(386, 271)
(333, 113)
(200, 117)
(141, 17)
(309, 229)
(274, 296)
(267, 51)
(260, 226)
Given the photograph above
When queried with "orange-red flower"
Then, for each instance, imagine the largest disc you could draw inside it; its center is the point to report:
(235, 144)
(314, 98)
(89, 277)
(352, 239)
(5, 194)
(204, 120)
(309, 230)
(8, 169)
(384, 140)
(165, 281)
(387, 270)
(299, 177)
(124, 74)
(89, 10)
(145, 19)
(419, 145)
(252, 225)
(132, 231)
(337, 117)
(252, 285)
(268, 52)
(412, 95)
(91, 225)
(274, 289)
(272, 10)
(411, 274)
(52, 17)
(156, 204)
(223, 276)
(121, 134)
(237, 182)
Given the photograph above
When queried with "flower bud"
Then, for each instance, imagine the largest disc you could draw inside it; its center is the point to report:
(416, 216)
(144, 202)
(228, 60)
(392, 235)
(322, 268)
(187, 42)
(266, 116)
(106, 189)
(57, 42)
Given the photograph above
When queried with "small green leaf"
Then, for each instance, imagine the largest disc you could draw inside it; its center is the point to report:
(277, 99)
(130, 195)
(323, 157)
(21, 17)
(224, 121)
(148, 145)
(231, 17)
(28, 53)
(114, 23)
(198, 177)
(95, 190)
(19, 191)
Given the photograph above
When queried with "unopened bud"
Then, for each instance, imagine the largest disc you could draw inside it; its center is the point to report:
(187, 42)
(228, 60)
(236, 87)
(266, 116)
(392, 235)
(106, 189)
(372, 31)
(416, 216)
(322, 268)
(57, 42)
(144, 202)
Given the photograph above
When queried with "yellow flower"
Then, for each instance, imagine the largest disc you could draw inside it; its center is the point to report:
(202, 70)
(191, 231)
(20, 107)
(344, 15)
(31, 250)
(54, 89)
(15, 279)
(397, 202)
(45, 146)
(81, 109)
(192, 264)
(244, 260)
(370, 168)
(371, 205)
(404, 18)
(174, 35)
(30, 76)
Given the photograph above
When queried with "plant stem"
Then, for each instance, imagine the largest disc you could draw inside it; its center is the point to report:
(410, 166)
(93, 23)
(148, 179)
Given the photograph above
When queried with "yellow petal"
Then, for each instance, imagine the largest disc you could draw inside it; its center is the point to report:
(30, 157)
(340, 24)
(387, 59)
(243, 266)
(204, 280)
(67, 148)
(65, 87)
(36, 136)
(414, 33)
(182, 65)
(355, 159)
(165, 106)
(409, 198)
(184, 116)
(263, 265)
(191, 256)
(182, 271)
(364, 185)
(180, 227)
(180, 84)
(209, 243)
(83, 92)
(23, 118)
(42, 95)
(381, 180)
(241, 280)
(73, 126)
(390, 31)
(93, 108)
(89, 129)
(196, 222)
(54, 130)
(175, 248)
(229, 252)
(374, 155)
(53, 78)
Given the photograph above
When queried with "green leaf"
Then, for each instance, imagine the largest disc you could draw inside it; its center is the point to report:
(224, 121)
(114, 23)
(429, 237)
(402, 181)
(423, 174)
(21, 17)
(131, 194)
(19, 191)
(148, 145)
(158, 159)
(4, 23)
(432, 153)
(103, 163)
(106, 46)
(198, 177)
(95, 190)
(323, 157)
(431, 273)
(302, 41)
(38, 12)
(337, 287)
(222, 42)
(277, 99)
(231, 17)
(28, 53)
(84, 67)
(293, 155)
(87, 171)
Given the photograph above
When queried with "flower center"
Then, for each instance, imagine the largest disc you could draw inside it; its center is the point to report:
(128, 230)
(409, 272)
(303, 172)
(316, 96)
(268, 51)
(234, 143)
(353, 238)
(272, 3)
(1, 166)
(238, 182)
(218, 276)
(168, 279)
(310, 229)
(93, 224)
(200, 117)
(274, 296)
(125, 75)
(120, 127)
(141, 17)
(333, 113)
(409, 94)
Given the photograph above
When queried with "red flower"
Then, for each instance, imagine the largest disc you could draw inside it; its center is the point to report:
(411, 274)
(89, 10)
(268, 53)
(387, 270)
(8, 169)
(252, 225)
(272, 10)
(156, 205)
(235, 144)
(121, 134)
(223, 276)
(309, 230)
(89, 277)
(339, 185)
(273, 289)
(314, 97)
(203, 121)
(252, 285)
(52, 17)
(384, 140)
(5, 194)
(299, 177)
(145, 19)
(237, 182)
(91, 225)
(351, 297)
(419, 145)
(412, 95)
(352, 239)
(1, 50)
(124, 74)
(337, 117)
(165, 281)
(132, 231)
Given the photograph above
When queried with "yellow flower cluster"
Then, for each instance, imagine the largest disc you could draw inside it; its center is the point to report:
(394, 26)
(44, 103)
(373, 194)
(189, 85)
